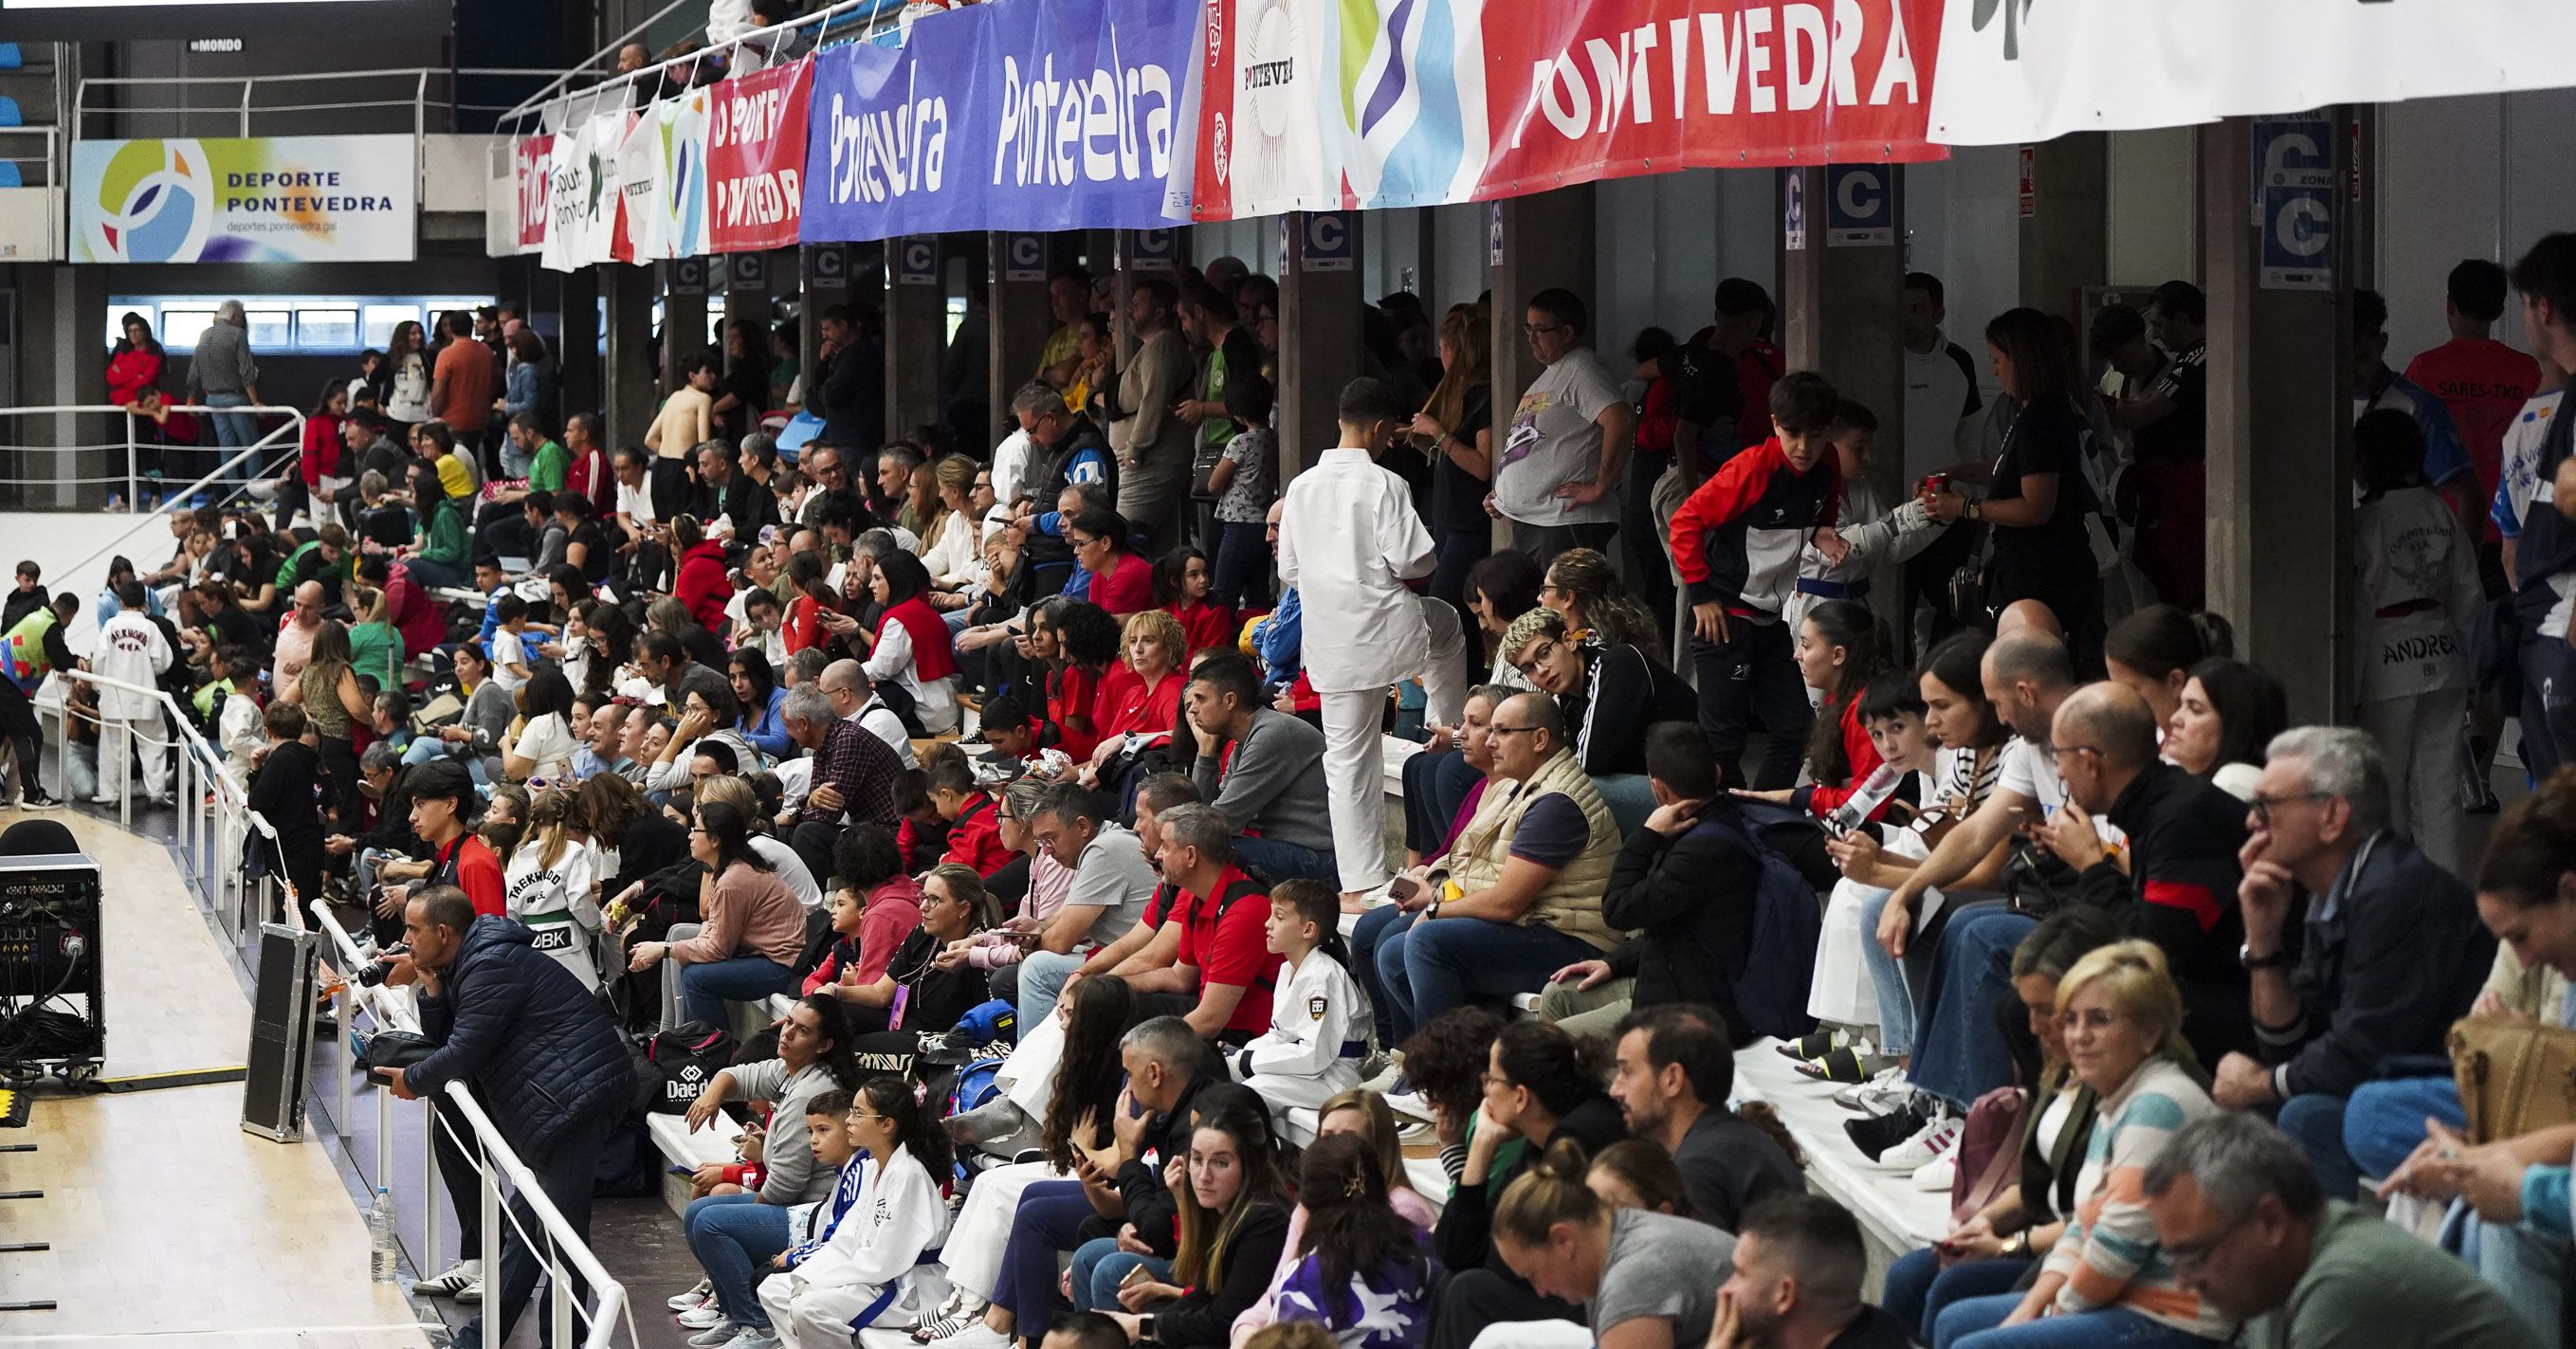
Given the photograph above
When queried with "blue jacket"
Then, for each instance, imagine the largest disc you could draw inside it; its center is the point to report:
(766, 731)
(515, 1025)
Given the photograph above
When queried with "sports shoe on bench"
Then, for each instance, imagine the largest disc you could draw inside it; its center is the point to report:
(1884, 1091)
(693, 1299)
(1938, 1138)
(1814, 1046)
(976, 1335)
(715, 1336)
(1875, 1134)
(1939, 1175)
(705, 1316)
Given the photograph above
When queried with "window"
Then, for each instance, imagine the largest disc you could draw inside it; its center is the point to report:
(326, 328)
(180, 324)
(271, 328)
(380, 320)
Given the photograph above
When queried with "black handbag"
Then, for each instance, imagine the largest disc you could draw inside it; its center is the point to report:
(394, 1049)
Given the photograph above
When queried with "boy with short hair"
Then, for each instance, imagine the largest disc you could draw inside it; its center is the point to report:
(1319, 1018)
(1872, 532)
(509, 645)
(1007, 726)
(1737, 542)
(974, 826)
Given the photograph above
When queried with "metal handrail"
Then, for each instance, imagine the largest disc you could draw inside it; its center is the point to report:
(882, 12)
(293, 429)
(420, 101)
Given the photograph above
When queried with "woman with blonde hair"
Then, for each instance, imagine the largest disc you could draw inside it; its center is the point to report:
(375, 645)
(1582, 585)
(1456, 429)
(1140, 698)
(2108, 1279)
(948, 543)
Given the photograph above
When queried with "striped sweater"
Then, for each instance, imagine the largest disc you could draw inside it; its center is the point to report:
(2109, 1256)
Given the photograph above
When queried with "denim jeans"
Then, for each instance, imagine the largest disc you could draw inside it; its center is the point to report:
(1752, 676)
(234, 431)
(1242, 566)
(2314, 1121)
(706, 988)
(1274, 861)
(1918, 1289)
(1050, 1216)
(1978, 1323)
(1887, 979)
(1432, 967)
(1042, 976)
(1960, 1058)
(2384, 1121)
(1369, 936)
(435, 574)
(734, 1237)
(1098, 1269)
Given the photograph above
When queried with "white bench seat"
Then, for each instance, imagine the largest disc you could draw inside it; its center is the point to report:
(679, 1147)
(1895, 1215)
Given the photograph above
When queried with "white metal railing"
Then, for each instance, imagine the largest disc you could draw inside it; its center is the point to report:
(549, 108)
(562, 1255)
(288, 438)
(381, 92)
(211, 842)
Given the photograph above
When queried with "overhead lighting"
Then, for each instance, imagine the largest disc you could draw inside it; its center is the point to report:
(206, 45)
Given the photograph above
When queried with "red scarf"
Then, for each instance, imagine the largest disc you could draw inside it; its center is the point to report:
(933, 658)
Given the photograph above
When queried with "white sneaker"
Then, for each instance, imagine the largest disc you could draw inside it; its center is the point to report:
(1884, 1091)
(693, 1299)
(705, 1316)
(1934, 1139)
(1940, 1174)
(1410, 1104)
(753, 1339)
(976, 1336)
(452, 1281)
(715, 1336)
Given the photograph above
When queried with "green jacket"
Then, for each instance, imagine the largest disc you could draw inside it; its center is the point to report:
(442, 537)
(546, 472)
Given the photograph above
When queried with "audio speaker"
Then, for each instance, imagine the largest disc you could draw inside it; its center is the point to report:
(281, 1034)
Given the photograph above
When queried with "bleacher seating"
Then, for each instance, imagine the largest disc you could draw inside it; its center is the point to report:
(9, 113)
(11, 58)
(9, 174)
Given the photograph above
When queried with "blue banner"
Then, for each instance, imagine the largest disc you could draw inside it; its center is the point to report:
(1017, 115)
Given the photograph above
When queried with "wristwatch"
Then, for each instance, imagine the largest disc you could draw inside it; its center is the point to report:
(2020, 1243)
(1145, 1326)
(2245, 956)
(1973, 509)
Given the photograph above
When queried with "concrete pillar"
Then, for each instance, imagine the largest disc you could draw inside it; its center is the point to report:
(1531, 244)
(1319, 317)
(916, 334)
(1841, 294)
(63, 362)
(1020, 320)
(2280, 413)
(2065, 222)
(684, 314)
(753, 304)
(575, 295)
(825, 271)
(632, 388)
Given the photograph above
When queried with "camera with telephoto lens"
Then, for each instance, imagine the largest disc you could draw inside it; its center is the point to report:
(376, 973)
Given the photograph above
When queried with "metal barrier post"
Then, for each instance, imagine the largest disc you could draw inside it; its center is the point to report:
(488, 1196)
(133, 479)
(125, 774)
(431, 1187)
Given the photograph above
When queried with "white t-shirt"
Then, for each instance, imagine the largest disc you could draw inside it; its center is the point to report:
(508, 650)
(549, 741)
(636, 503)
(2027, 772)
(1555, 439)
(2519, 486)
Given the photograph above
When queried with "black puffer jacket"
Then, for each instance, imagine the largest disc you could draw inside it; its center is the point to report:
(516, 1026)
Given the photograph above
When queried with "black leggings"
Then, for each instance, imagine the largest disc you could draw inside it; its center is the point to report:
(26, 737)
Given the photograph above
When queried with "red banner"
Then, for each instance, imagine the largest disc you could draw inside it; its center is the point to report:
(1615, 88)
(756, 158)
(533, 171)
(1426, 102)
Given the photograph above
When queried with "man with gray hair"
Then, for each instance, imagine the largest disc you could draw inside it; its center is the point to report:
(223, 375)
(2241, 1218)
(1224, 971)
(2392, 954)
(1112, 881)
(854, 698)
(1064, 447)
(853, 777)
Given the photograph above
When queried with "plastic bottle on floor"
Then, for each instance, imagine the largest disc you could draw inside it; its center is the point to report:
(380, 1237)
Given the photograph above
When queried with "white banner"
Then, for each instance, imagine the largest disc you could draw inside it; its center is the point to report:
(2015, 71)
(270, 199)
(582, 222)
(662, 178)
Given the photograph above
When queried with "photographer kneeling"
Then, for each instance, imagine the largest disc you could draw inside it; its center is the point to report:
(542, 1058)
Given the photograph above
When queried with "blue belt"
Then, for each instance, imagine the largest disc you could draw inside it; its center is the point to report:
(1832, 590)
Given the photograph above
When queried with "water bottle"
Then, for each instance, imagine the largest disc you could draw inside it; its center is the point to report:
(380, 1237)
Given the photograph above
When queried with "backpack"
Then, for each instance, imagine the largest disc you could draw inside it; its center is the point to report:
(680, 1062)
(1780, 959)
(1989, 1151)
(976, 1084)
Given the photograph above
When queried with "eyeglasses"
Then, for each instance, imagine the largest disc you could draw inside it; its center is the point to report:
(1539, 655)
(2261, 806)
(1500, 729)
(2188, 1258)
(2056, 752)
(1534, 329)
(2098, 1019)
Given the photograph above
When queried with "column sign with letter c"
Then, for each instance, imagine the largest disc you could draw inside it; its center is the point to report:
(827, 266)
(1024, 257)
(1860, 207)
(917, 261)
(1326, 242)
(2294, 167)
